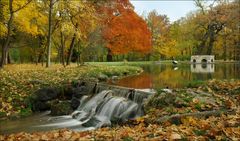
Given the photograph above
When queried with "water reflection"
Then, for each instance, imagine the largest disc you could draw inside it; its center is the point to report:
(167, 75)
(202, 68)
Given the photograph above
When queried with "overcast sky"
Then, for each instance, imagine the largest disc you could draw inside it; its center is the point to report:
(174, 9)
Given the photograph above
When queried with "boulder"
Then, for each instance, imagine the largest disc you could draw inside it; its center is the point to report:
(75, 103)
(40, 106)
(46, 94)
(80, 91)
(40, 98)
(68, 92)
(102, 77)
(59, 108)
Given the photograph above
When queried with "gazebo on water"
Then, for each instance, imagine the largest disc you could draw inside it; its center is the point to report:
(202, 59)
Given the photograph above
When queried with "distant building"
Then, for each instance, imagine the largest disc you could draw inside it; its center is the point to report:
(202, 59)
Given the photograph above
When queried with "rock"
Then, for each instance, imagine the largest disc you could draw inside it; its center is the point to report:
(46, 94)
(59, 108)
(75, 103)
(80, 91)
(40, 98)
(68, 92)
(40, 106)
(161, 100)
(179, 103)
(102, 77)
(114, 78)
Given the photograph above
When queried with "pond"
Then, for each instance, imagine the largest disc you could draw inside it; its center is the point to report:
(167, 75)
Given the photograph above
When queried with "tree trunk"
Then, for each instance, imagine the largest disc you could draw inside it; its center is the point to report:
(49, 34)
(203, 43)
(42, 51)
(6, 43)
(109, 56)
(62, 50)
(71, 49)
(78, 52)
(225, 49)
(203, 114)
(8, 58)
(211, 40)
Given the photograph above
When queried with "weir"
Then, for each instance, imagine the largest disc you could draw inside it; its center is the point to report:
(103, 105)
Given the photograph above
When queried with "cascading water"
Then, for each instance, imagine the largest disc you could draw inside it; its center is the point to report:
(110, 104)
(104, 108)
(101, 106)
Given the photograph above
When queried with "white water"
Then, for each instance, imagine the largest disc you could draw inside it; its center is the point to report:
(104, 108)
(96, 111)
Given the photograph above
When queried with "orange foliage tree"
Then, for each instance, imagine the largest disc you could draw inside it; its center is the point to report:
(125, 31)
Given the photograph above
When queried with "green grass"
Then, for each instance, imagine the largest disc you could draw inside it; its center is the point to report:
(121, 63)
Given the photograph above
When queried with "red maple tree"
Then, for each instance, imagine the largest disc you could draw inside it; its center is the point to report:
(125, 31)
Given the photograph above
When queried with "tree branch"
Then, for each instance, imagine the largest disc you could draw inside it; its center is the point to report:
(196, 114)
(29, 1)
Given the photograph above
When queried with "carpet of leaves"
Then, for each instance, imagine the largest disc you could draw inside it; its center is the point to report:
(20, 81)
(213, 96)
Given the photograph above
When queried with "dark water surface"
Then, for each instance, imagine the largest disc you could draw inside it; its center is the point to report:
(164, 75)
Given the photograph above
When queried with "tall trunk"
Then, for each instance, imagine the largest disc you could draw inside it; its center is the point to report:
(203, 43)
(6, 43)
(62, 58)
(78, 54)
(211, 40)
(49, 34)
(71, 49)
(42, 51)
(8, 58)
(225, 49)
(109, 56)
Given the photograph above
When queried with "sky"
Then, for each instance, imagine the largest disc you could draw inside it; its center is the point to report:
(174, 9)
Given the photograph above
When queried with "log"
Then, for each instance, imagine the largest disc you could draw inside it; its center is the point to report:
(216, 113)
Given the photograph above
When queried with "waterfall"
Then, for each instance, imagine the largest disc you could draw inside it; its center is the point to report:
(101, 106)
(104, 108)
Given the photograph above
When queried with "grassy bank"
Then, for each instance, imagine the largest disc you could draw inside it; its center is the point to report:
(132, 63)
(18, 82)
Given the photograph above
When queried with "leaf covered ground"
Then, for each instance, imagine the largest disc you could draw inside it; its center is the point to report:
(177, 115)
(18, 82)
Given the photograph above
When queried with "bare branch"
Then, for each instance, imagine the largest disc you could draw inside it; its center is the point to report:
(199, 4)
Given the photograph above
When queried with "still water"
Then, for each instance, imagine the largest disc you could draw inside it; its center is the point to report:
(167, 75)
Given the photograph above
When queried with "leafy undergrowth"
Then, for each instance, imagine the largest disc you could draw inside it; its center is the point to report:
(177, 115)
(20, 81)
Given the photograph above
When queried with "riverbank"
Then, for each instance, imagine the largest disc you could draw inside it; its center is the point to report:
(208, 112)
(18, 82)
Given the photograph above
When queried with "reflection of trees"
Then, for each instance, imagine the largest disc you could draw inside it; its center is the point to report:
(162, 76)
(141, 81)
(171, 78)
(227, 71)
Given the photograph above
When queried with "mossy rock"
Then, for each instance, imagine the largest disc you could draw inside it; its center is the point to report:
(102, 77)
(59, 108)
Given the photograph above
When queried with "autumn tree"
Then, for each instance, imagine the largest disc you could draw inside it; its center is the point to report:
(11, 8)
(212, 20)
(125, 31)
(159, 26)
